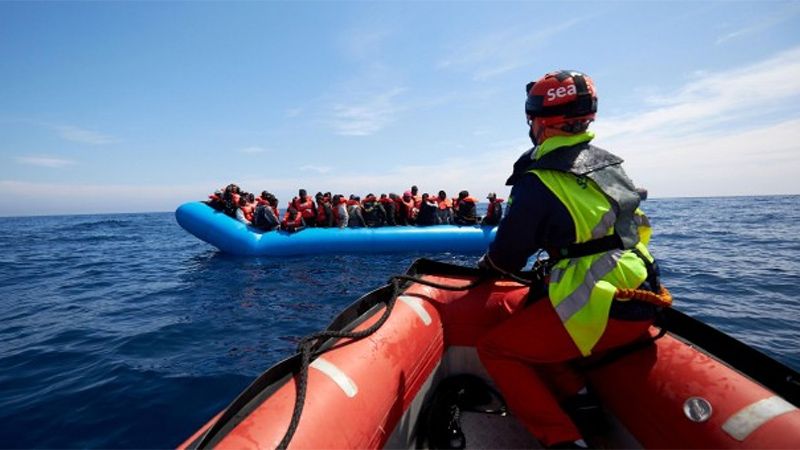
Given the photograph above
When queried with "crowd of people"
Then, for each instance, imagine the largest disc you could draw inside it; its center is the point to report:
(337, 211)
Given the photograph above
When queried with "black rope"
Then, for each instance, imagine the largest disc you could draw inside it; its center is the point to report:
(309, 345)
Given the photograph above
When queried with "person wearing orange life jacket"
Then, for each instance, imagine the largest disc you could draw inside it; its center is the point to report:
(444, 215)
(266, 215)
(354, 212)
(215, 201)
(427, 211)
(339, 210)
(373, 212)
(465, 209)
(406, 212)
(324, 211)
(292, 221)
(574, 200)
(305, 206)
(494, 213)
(243, 211)
(389, 208)
(416, 196)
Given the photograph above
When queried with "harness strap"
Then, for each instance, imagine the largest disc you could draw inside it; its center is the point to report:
(591, 247)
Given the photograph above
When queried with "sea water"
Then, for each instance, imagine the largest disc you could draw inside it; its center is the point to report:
(124, 331)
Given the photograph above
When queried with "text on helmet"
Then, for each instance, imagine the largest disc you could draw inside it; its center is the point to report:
(561, 92)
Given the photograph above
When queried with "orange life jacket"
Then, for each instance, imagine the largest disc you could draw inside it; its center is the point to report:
(291, 223)
(306, 208)
(248, 212)
(444, 204)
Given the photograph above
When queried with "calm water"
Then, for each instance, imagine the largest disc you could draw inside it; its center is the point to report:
(124, 331)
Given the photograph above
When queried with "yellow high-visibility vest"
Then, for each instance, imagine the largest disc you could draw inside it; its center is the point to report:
(581, 289)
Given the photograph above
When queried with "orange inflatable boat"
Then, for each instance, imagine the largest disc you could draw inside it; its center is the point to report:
(373, 379)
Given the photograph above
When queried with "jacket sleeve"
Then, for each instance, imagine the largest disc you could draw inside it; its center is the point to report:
(534, 218)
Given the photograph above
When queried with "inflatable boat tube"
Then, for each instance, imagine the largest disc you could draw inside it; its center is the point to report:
(693, 387)
(232, 236)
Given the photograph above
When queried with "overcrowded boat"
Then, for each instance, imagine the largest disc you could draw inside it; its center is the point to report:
(238, 238)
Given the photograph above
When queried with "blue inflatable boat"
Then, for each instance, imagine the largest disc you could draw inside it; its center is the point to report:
(232, 236)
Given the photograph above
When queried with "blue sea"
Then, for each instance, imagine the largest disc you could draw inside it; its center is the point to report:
(124, 331)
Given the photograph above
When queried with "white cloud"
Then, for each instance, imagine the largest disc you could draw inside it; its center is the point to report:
(724, 133)
(84, 136)
(367, 114)
(712, 99)
(763, 24)
(44, 161)
(497, 53)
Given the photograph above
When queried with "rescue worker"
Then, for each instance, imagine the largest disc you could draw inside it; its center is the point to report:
(465, 208)
(494, 213)
(574, 200)
(305, 206)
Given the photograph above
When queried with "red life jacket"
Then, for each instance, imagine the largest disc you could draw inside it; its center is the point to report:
(306, 208)
(291, 223)
(409, 207)
(444, 204)
(248, 212)
(490, 211)
(321, 216)
(335, 211)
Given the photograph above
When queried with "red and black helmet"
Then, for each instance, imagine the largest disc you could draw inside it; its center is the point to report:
(561, 96)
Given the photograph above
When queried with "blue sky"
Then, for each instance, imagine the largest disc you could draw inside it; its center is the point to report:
(141, 106)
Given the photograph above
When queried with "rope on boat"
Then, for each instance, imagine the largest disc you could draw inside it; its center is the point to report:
(663, 298)
(309, 345)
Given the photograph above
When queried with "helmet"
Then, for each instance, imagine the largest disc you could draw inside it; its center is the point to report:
(561, 97)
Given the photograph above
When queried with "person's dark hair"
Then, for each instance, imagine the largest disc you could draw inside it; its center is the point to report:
(251, 198)
(425, 196)
(414, 190)
(242, 200)
(383, 195)
(463, 194)
(442, 194)
(302, 193)
(265, 195)
(393, 196)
